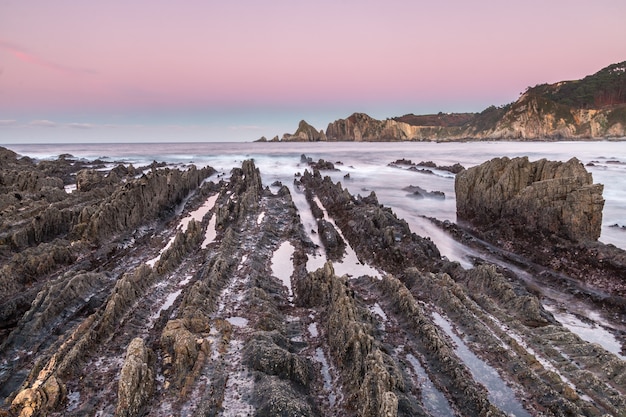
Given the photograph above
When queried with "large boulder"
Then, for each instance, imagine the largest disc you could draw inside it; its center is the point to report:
(544, 197)
(137, 379)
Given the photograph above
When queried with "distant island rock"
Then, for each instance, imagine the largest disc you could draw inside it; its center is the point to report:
(591, 108)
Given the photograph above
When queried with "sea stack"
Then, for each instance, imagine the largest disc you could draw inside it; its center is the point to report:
(542, 197)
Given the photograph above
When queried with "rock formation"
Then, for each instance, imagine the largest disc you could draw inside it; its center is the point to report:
(137, 380)
(541, 197)
(305, 133)
(169, 312)
(545, 215)
(591, 108)
(360, 127)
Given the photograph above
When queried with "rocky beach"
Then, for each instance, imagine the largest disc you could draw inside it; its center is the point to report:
(179, 289)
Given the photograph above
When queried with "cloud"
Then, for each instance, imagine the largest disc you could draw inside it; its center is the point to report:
(81, 125)
(25, 56)
(43, 123)
(8, 122)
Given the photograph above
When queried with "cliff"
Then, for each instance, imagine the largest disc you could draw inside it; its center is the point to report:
(591, 108)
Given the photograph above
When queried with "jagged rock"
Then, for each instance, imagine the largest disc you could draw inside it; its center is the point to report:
(137, 380)
(455, 168)
(146, 197)
(181, 347)
(333, 243)
(404, 161)
(64, 296)
(453, 372)
(278, 398)
(374, 232)
(419, 192)
(228, 338)
(370, 377)
(247, 189)
(88, 179)
(533, 197)
(321, 164)
(484, 280)
(266, 352)
(43, 396)
(305, 133)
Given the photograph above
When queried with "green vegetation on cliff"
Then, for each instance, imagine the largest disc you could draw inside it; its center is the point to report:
(591, 108)
(604, 88)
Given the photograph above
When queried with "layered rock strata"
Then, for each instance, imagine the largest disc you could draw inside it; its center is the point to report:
(212, 318)
(541, 197)
(549, 212)
(591, 108)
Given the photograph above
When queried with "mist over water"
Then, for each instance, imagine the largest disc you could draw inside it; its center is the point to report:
(364, 168)
(367, 164)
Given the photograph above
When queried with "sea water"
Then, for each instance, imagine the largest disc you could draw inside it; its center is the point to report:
(368, 166)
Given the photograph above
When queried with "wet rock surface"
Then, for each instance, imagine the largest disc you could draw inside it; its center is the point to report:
(544, 216)
(163, 292)
(541, 197)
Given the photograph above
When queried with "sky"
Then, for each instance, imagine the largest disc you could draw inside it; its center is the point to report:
(204, 70)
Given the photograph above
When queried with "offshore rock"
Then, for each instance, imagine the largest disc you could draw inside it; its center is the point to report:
(305, 133)
(418, 192)
(545, 197)
(545, 216)
(137, 380)
(360, 127)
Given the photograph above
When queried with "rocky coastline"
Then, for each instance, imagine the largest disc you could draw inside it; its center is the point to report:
(155, 291)
(593, 108)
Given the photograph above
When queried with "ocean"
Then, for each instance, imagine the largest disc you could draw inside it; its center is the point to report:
(364, 168)
(368, 167)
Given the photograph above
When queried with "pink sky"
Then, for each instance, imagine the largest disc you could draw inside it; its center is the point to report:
(216, 70)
